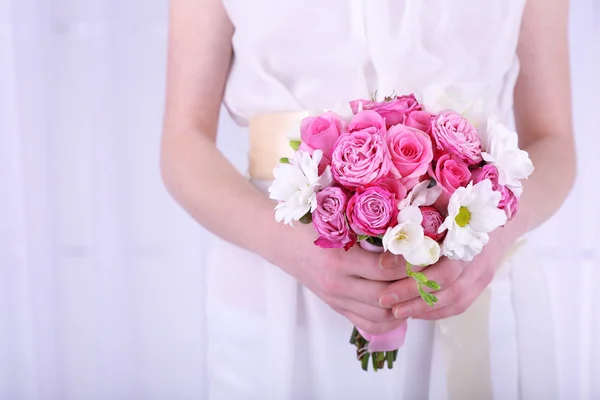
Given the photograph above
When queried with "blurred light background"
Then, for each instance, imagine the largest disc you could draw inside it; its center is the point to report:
(101, 278)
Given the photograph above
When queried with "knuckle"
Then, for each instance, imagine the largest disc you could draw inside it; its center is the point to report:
(381, 315)
(487, 276)
(461, 307)
(329, 284)
(455, 294)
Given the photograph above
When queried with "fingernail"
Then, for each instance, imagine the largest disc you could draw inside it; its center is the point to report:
(388, 300)
(387, 261)
(402, 312)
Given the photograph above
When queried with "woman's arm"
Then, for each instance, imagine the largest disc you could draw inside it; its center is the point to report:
(543, 113)
(199, 177)
(543, 118)
(216, 195)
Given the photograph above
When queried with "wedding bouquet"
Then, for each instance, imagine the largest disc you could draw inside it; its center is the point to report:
(420, 180)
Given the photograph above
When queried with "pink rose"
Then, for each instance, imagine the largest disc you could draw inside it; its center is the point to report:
(509, 202)
(393, 111)
(420, 120)
(454, 134)
(320, 133)
(371, 210)
(411, 152)
(394, 186)
(359, 159)
(488, 171)
(432, 220)
(451, 173)
(367, 121)
(329, 219)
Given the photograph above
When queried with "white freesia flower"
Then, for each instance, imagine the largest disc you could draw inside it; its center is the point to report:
(408, 239)
(437, 98)
(472, 213)
(407, 235)
(421, 195)
(296, 185)
(426, 254)
(501, 148)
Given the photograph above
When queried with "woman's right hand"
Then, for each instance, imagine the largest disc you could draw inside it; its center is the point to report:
(351, 282)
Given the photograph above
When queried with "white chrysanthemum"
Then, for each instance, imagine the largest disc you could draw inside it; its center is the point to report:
(296, 185)
(408, 239)
(501, 148)
(472, 214)
(437, 98)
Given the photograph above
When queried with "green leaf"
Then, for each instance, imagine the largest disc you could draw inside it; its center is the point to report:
(375, 361)
(306, 218)
(362, 237)
(432, 285)
(420, 277)
(284, 160)
(432, 183)
(295, 144)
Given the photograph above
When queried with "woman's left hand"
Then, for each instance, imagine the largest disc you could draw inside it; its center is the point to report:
(462, 282)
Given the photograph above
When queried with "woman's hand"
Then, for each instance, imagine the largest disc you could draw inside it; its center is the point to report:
(350, 282)
(462, 282)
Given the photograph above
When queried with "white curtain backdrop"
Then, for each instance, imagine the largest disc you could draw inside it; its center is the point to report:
(101, 277)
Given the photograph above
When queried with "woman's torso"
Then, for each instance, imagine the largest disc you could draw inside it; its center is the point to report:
(314, 54)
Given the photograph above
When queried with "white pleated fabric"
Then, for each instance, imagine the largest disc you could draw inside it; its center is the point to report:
(270, 338)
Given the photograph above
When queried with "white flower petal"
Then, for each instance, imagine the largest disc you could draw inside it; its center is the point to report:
(410, 214)
(426, 254)
(481, 202)
(295, 186)
(403, 238)
(501, 148)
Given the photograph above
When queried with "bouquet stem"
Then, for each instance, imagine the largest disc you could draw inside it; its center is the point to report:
(378, 359)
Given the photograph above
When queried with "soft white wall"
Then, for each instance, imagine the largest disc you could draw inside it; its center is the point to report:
(101, 284)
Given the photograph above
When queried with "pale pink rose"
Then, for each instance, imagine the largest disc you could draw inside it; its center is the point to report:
(329, 219)
(488, 171)
(320, 133)
(393, 111)
(509, 202)
(359, 159)
(451, 173)
(419, 120)
(411, 153)
(432, 219)
(367, 121)
(371, 210)
(452, 133)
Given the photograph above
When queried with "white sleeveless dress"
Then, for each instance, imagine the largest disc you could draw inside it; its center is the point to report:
(270, 338)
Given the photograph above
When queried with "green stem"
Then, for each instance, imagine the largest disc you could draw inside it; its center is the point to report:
(365, 361)
(389, 356)
(353, 337)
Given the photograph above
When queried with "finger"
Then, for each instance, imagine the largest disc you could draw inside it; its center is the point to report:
(368, 265)
(363, 290)
(368, 312)
(445, 273)
(445, 297)
(374, 328)
(459, 306)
